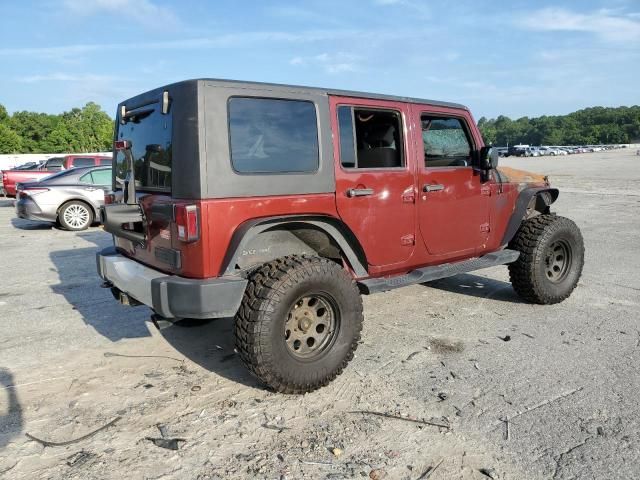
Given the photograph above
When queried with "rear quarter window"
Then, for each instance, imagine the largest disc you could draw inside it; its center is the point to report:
(272, 135)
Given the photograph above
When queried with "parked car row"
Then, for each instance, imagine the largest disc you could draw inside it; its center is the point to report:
(47, 167)
(533, 151)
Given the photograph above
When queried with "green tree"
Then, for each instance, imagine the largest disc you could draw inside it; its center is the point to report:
(10, 141)
(4, 116)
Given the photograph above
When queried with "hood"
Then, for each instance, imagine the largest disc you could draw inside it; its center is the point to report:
(513, 175)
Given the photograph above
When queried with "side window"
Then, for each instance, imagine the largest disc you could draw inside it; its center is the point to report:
(83, 162)
(86, 178)
(273, 135)
(446, 143)
(370, 138)
(101, 177)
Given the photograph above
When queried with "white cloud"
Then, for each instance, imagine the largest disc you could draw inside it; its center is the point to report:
(142, 11)
(65, 77)
(603, 23)
(226, 40)
(331, 63)
(419, 8)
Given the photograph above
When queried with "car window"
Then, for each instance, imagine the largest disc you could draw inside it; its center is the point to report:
(446, 143)
(370, 138)
(272, 135)
(83, 162)
(102, 177)
(86, 178)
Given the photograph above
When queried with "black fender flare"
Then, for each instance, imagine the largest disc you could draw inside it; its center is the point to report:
(333, 227)
(544, 196)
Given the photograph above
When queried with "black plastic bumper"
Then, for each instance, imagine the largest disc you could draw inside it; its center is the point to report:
(169, 295)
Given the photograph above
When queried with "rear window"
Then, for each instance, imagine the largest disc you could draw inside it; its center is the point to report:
(272, 135)
(149, 133)
(83, 162)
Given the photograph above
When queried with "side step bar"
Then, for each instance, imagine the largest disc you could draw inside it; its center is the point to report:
(428, 274)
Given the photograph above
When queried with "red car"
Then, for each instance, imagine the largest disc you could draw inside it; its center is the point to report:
(280, 205)
(12, 177)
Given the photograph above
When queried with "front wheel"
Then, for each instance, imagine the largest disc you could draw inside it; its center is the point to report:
(551, 259)
(299, 323)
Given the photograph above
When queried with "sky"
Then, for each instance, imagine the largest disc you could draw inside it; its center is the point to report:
(515, 58)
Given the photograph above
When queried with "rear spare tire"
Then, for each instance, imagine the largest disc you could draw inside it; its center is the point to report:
(551, 259)
(75, 215)
(299, 323)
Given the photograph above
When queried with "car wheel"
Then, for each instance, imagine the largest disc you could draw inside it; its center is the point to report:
(75, 216)
(551, 259)
(299, 323)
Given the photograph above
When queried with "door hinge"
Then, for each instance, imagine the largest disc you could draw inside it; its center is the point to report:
(485, 190)
(485, 227)
(407, 240)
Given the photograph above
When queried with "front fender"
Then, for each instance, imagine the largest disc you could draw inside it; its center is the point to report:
(540, 198)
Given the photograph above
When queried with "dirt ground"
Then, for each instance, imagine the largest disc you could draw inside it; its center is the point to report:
(498, 388)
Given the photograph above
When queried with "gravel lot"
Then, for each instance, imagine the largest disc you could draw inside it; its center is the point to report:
(463, 352)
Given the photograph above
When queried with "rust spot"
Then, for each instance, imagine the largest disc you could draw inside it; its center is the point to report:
(521, 176)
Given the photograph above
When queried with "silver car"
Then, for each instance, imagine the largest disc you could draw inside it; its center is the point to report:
(71, 198)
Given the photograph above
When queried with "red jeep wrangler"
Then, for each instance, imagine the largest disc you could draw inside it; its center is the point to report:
(280, 205)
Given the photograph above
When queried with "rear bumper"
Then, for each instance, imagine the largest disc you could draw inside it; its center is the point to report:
(30, 210)
(168, 295)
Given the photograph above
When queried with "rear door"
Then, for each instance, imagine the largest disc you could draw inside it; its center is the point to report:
(375, 183)
(453, 205)
(97, 182)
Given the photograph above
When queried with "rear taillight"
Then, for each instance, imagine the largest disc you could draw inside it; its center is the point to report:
(109, 198)
(187, 222)
(32, 191)
(120, 145)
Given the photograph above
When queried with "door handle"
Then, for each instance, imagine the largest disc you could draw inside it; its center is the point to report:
(359, 192)
(434, 187)
(90, 189)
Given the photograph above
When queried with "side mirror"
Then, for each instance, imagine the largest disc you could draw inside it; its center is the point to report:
(489, 158)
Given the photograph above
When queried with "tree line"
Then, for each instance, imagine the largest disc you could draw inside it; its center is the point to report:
(90, 129)
(86, 129)
(590, 126)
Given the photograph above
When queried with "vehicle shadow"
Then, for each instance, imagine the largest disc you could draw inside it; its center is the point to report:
(477, 286)
(22, 224)
(208, 343)
(11, 420)
(80, 286)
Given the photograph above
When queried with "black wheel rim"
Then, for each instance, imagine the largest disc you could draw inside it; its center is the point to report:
(311, 326)
(558, 259)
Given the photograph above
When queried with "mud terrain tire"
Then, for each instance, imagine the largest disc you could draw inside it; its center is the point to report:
(551, 259)
(299, 323)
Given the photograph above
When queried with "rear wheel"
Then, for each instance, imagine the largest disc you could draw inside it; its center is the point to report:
(299, 323)
(75, 216)
(551, 259)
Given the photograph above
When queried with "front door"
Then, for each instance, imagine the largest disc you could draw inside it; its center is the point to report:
(375, 184)
(453, 203)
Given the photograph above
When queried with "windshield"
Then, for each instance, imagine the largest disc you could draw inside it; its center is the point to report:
(148, 131)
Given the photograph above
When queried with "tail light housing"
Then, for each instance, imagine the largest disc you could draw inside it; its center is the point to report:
(109, 198)
(187, 222)
(32, 191)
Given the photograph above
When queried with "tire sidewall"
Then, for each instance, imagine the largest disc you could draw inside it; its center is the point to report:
(339, 291)
(66, 226)
(560, 230)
